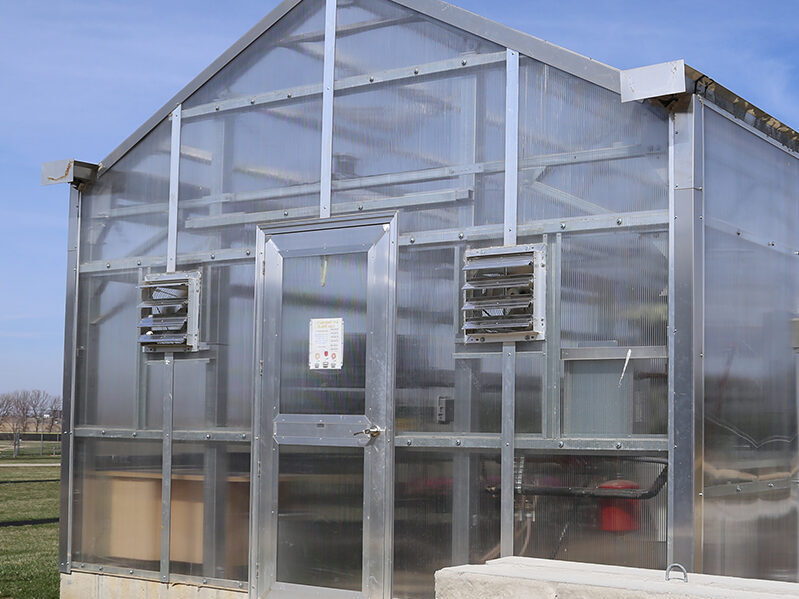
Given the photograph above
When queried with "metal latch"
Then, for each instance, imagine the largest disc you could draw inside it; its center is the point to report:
(373, 431)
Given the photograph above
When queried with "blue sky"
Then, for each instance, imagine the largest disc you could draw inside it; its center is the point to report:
(79, 76)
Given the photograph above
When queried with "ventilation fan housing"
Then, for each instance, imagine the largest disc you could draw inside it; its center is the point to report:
(169, 312)
(504, 293)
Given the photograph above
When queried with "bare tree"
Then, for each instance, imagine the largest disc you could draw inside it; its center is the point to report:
(5, 409)
(38, 404)
(54, 411)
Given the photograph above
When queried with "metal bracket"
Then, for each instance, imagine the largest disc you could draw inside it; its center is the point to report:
(678, 567)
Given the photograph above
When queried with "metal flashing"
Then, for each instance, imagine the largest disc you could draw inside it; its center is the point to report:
(652, 81)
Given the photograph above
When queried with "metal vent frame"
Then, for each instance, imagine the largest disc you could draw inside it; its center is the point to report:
(169, 312)
(504, 293)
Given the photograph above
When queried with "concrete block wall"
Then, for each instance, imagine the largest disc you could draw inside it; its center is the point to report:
(85, 585)
(527, 578)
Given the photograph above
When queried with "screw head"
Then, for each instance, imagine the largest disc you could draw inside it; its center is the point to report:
(460, 235)
(560, 443)
(562, 225)
(285, 213)
(415, 71)
(130, 571)
(216, 107)
(463, 62)
(252, 100)
(408, 442)
(288, 95)
(371, 79)
(737, 489)
(100, 568)
(135, 433)
(138, 262)
(243, 435)
(618, 445)
(413, 240)
(618, 221)
(247, 252)
(208, 435)
(213, 256)
(102, 432)
(457, 442)
(360, 206)
(108, 265)
(205, 581)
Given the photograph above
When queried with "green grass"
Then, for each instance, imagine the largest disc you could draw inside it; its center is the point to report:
(29, 554)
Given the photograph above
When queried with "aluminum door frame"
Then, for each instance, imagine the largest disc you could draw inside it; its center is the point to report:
(379, 471)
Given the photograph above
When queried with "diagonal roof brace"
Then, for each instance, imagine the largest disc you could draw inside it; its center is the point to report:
(653, 81)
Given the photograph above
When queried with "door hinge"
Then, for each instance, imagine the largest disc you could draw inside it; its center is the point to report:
(261, 368)
(263, 267)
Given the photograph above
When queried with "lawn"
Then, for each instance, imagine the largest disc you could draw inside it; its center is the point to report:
(30, 451)
(28, 553)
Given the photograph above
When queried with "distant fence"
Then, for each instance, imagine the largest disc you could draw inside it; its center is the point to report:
(28, 436)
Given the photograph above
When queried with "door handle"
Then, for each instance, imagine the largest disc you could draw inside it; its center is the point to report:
(373, 431)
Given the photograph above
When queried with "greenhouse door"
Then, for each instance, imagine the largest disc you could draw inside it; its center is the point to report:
(326, 315)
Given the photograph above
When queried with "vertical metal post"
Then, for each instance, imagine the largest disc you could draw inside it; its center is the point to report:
(511, 145)
(509, 349)
(686, 334)
(327, 109)
(166, 465)
(550, 412)
(174, 184)
(68, 390)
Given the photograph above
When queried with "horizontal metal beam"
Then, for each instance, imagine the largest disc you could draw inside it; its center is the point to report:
(95, 568)
(449, 440)
(221, 435)
(610, 445)
(134, 262)
(410, 73)
(614, 353)
(748, 488)
(649, 219)
(429, 198)
(716, 224)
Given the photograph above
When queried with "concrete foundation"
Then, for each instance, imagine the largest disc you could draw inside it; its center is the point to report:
(526, 578)
(85, 585)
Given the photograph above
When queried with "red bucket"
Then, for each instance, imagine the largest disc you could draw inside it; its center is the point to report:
(616, 514)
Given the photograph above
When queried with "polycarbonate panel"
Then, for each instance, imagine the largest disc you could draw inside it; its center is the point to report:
(106, 370)
(117, 503)
(529, 391)
(446, 512)
(551, 522)
(608, 398)
(124, 212)
(288, 54)
(614, 289)
(583, 152)
(320, 516)
(434, 367)
(262, 159)
(213, 388)
(396, 37)
(392, 140)
(210, 510)
(332, 286)
(751, 184)
(750, 411)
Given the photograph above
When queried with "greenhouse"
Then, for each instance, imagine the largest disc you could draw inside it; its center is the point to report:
(390, 287)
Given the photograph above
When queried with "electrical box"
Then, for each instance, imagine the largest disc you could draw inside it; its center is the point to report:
(169, 310)
(504, 293)
(445, 410)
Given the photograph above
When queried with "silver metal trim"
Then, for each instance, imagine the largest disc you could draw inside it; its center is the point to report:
(614, 353)
(211, 435)
(174, 186)
(686, 346)
(511, 145)
(68, 389)
(326, 175)
(508, 448)
(166, 465)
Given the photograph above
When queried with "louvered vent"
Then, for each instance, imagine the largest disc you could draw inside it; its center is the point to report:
(504, 295)
(169, 311)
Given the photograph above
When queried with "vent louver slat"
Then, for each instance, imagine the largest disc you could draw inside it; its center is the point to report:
(169, 312)
(504, 293)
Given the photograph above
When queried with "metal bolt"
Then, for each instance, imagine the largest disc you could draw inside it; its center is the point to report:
(701, 494)
(134, 433)
(108, 265)
(562, 225)
(413, 240)
(618, 445)
(371, 79)
(408, 442)
(288, 95)
(138, 262)
(102, 432)
(771, 244)
(247, 252)
(83, 565)
(507, 444)
(213, 256)
(771, 485)
(618, 221)
(130, 571)
(100, 568)
(560, 443)
(205, 581)
(285, 213)
(463, 62)
(252, 100)
(737, 489)
(360, 206)
(208, 435)
(216, 107)
(460, 235)
(457, 442)
(415, 71)
(243, 435)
